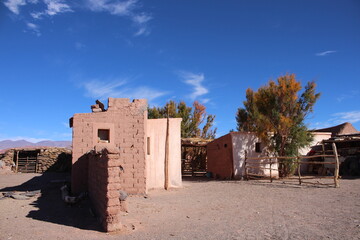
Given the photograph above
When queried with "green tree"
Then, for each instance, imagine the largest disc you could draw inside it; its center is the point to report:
(276, 112)
(195, 121)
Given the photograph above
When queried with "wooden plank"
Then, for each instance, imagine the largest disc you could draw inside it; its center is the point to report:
(318, 162)
(317, 156)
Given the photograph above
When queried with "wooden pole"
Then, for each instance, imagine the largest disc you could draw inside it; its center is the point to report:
(299, 168)
(270, 169)
(167, 148)
(336, 173)
(246, 169)
(17, 161)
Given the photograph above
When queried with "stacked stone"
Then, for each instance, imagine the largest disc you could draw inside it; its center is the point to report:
(49, 158)
(8, 157)
(54, 159)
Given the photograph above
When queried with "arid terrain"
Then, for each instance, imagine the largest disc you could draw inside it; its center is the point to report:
(200, 210)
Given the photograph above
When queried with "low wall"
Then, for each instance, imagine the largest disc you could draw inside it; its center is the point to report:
(104, 183)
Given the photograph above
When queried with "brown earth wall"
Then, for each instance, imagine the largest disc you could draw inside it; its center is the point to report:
(220, 158)
(103, 187)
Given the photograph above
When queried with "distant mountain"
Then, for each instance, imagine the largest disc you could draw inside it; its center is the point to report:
(5, 144)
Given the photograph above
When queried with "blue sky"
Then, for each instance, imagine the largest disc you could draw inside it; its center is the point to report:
(58, 56)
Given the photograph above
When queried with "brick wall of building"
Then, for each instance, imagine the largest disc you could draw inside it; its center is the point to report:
(220, 157)
(103, 187)
(126, 122)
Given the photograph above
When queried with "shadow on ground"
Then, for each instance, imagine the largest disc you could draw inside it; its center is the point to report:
(50, 206)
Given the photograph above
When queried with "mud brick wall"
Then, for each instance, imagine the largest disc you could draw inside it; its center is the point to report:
(126, 122)
(103, 186)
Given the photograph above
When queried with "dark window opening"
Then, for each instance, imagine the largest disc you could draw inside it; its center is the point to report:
(225, 145)
(258, 147)
(104, 135)
(148, 145)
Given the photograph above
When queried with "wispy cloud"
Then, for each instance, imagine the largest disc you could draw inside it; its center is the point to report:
(121, 8)
(338, 118)
(352, 117)
(196, 81)
(325, 53)
(33, 28)
(56, 6)
(14, 5)
(118, 89)
(53, 7)
(350, 95)
(129, 9)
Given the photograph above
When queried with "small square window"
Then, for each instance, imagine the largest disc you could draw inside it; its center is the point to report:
(103, 135)
(258, 147)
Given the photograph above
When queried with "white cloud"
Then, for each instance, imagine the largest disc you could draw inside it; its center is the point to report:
(141, 18)
(33, 28)
(53, 7)
(205, 100)
(117, 89)
(338, 118)
(56, 6)
(123, 8)
(128, 9)
(350, 95)
(14, 5)
(352, 117)
(37, 15)
(195, 80)
(320, 54)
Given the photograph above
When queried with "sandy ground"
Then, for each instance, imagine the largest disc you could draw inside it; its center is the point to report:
(200, 210)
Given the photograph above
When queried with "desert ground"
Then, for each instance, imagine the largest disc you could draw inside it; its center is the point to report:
(202, 209)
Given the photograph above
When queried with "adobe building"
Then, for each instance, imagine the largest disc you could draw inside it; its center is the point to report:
(226, 155)
(118, 148)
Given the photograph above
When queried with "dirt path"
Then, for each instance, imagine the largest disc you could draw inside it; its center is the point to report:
(200, 210)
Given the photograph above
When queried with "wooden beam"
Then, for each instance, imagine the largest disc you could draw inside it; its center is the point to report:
(167, 148)
(336, 174)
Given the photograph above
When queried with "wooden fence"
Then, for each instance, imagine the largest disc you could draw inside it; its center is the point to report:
(259, 163)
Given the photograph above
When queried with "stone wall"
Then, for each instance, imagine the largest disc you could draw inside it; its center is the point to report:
(49, 158)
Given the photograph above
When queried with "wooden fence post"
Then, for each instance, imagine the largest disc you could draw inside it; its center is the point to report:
(167, 149)
(299, 169)
(17, 161)
(270, 168)
(246, 169)
(336, 173)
